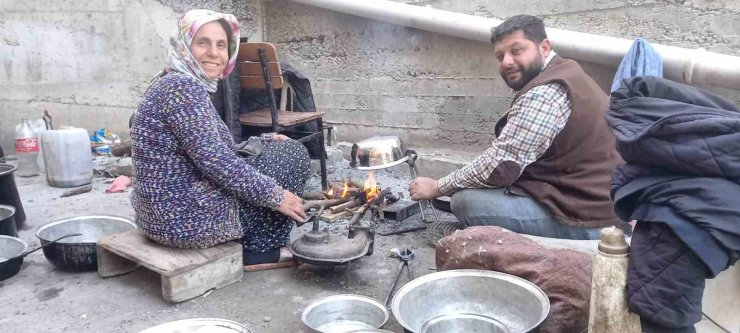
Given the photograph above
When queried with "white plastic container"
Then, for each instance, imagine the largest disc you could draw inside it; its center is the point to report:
(67, 157)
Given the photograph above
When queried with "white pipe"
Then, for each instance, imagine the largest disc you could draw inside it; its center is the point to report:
(695, 66)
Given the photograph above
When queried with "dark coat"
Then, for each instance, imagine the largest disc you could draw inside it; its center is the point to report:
(682, 146)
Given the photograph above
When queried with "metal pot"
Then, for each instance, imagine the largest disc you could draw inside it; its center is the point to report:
(78, 253)
(12, 254)
(467, 299)
(9, 193)
(344, 313)
(11, 259)
(378, 152)
(7, 221)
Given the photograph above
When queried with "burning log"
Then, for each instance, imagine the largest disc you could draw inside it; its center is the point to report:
(307, 205)
(347, 205)
(313, 196)
(358, 214)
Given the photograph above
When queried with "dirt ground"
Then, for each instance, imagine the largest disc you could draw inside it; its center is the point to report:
(43, 299)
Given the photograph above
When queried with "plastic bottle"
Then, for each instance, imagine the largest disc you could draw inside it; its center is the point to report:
(67, 157)
(609, 312)
(27, 150)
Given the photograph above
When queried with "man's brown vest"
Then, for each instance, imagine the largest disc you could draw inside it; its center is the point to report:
(573, 178)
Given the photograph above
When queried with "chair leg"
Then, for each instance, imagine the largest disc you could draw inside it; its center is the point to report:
(322, 153)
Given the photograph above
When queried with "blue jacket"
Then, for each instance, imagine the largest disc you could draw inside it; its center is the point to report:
(682, 148)
(640, 60)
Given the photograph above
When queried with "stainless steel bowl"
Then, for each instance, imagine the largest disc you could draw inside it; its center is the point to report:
(378, 152)
(468, 323)
(199, 325)
(459, 298)
(344, 313)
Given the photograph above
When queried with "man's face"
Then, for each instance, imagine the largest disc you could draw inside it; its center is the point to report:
(210, 48)
(520, 59)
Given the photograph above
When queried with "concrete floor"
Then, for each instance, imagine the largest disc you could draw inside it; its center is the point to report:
(43, 299)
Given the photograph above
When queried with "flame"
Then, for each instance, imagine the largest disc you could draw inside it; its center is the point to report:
(330, 193)
(346, 189)
(371, 187)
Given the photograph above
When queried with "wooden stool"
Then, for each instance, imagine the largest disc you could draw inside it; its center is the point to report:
(186, 273)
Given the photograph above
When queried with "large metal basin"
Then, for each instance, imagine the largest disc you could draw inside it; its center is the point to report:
(470, 297)
(199, 325)
(78, 253)
(344, 313)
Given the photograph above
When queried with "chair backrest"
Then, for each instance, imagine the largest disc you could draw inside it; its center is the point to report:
(250, 67)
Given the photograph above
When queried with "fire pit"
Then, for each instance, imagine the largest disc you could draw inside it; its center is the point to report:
(321, 247)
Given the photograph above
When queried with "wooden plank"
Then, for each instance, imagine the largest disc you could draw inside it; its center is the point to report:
(252, 68)
(329, 217)
(262, 118)
(258, 82)
(111, 264)
(249, 52)
(195, 282)
(136, 247)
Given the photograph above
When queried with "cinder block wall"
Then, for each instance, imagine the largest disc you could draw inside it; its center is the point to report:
(88, 62)
(434, 90)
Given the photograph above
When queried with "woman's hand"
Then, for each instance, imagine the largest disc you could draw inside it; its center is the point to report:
(292, 206)
(275, 137)
(280, 138)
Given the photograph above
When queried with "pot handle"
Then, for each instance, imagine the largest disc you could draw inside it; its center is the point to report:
(23, 255)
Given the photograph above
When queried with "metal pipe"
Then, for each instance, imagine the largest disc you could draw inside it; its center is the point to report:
(695, 66)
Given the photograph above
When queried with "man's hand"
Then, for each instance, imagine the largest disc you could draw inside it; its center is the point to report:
(292, 206)
(424, 188)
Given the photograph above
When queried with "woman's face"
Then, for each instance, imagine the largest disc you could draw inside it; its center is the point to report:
(210, 47)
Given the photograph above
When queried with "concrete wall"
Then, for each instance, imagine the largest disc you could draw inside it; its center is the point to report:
(438, 91)
(87, 62)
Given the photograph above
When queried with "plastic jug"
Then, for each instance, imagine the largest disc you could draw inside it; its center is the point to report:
(67, 157)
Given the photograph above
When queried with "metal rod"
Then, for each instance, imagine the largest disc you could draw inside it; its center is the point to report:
(395, 282)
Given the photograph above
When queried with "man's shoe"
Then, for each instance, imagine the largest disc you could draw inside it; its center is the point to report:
(438, 230)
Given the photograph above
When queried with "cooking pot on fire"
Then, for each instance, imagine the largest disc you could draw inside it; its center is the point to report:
(379, 152)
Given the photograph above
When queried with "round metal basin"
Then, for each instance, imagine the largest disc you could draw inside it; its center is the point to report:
(199, 325)
(78, 253)
(344, 313)
(469, 299)
(468, 323)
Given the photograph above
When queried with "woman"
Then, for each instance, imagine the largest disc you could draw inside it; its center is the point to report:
(192, 190)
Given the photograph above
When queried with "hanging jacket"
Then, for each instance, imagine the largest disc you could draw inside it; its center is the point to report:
(682, 148)
(640, 60)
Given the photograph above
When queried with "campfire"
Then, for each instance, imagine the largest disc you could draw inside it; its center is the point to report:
(350, 197)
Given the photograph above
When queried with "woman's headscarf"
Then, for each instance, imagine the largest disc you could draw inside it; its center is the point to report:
(183, 61)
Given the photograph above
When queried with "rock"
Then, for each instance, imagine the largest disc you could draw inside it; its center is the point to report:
(267, 319)
(123, 167)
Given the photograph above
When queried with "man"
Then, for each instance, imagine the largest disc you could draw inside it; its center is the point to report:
(548, 172)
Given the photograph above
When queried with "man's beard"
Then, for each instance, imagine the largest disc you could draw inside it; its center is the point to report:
(528, 74)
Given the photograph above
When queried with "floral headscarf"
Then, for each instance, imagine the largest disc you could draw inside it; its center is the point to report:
(183, 61)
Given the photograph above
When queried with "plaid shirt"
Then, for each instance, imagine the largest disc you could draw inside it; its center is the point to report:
(533, 122)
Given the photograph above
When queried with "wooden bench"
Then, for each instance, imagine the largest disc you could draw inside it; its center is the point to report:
(185, 273)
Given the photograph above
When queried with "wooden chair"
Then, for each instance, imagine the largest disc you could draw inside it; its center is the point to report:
(259, 69)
